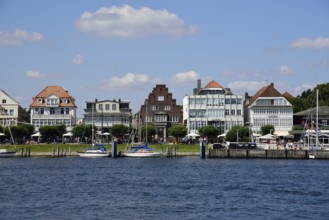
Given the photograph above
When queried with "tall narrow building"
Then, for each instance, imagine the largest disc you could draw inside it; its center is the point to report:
(161, 110)
(212, 105)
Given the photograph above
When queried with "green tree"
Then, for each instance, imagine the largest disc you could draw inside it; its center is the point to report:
(240, 132)
(267, 129)
(210, 132)
(82, 131)
(151, 131)
(50, 132)
(19, 132)
(27, 115)
(119, 130)
(178, 131)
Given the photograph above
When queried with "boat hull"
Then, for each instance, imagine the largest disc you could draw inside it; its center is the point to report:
(93, 154)
(142, 154)
(6, 154)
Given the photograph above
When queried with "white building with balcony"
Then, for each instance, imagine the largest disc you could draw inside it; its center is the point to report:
(53, 106)
(10, 111)
(269, 107)
(212, 105)
(104, 114)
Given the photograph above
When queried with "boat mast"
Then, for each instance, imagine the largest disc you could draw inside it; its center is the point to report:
(146, 124)
(92, 123)
(317, 119)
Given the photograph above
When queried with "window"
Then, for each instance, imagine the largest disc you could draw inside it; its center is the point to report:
(11, 112)
(4, 101)
(154, 107)
(100, 107)
(232, 112)
(160, 98)
(238, 112)
(36, 110)
(42, 111)
(52, 111)
(39, 101)
(62, 111)
(227, 112)
(65, 100)
(107, 107)
(167, 107)
(67, 111)
(114, 107)
(160, 118)
(174, 118)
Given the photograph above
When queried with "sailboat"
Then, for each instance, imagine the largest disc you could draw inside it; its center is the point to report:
(96, 150)
(4, 153)
(309, 135)
(140, 150)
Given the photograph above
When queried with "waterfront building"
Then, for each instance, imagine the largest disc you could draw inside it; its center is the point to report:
(160, 109)
(53, 106)
(106, 113)
(268, 107)
(212, 105)
(10, 111)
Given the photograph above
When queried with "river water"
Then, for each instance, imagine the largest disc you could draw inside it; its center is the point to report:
(162, 188)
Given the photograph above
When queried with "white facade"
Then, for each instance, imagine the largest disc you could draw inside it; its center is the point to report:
(53, 106)
(220, 110)
(276, 111)
(105, 114)
(10, 110)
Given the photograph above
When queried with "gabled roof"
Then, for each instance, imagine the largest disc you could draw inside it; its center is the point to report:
(266, 91)
(287, 95)
(213, 84)
(323, 110)
(56, 91)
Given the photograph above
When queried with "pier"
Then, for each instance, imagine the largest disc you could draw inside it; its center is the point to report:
(267, 154)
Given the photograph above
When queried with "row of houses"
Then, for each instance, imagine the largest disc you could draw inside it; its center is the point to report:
(209, 105)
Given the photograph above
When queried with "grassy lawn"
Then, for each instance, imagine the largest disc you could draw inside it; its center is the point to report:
(81, 147)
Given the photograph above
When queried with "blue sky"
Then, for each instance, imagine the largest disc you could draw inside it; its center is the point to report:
(122, 49)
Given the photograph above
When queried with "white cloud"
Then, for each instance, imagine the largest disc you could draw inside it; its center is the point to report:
(317, 43)
(18, 37)
(185, 77)
(130, 80)
(127, 21)
(78, 60)
(286, 70)
(35, 74)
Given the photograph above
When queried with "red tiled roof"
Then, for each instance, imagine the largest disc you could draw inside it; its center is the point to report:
(53, 90)
(266, 91)
(213, 84)
(287, 95)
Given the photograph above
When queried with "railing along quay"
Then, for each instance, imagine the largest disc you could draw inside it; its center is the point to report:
(267, 154)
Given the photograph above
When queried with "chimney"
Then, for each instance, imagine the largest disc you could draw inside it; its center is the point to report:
(198, 86)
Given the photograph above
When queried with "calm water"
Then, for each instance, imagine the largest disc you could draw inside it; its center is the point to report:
(176, 188)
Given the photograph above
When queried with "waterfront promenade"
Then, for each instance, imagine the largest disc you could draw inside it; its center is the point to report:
(210, 153)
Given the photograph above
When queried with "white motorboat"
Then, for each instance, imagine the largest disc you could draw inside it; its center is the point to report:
(5, 153)
(141, 151)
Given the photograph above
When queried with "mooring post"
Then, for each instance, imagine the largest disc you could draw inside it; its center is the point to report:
(202, 150)
(114, 149)
(22, 152)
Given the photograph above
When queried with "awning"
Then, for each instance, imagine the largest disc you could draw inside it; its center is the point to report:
(282, 133)
(2, 134)
(36, 134)
(68, 134)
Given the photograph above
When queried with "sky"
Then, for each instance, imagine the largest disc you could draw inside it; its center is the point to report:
(109, 50)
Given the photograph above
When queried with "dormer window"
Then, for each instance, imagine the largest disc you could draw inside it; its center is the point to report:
(65, 100)
(39, 101)
(160, 98)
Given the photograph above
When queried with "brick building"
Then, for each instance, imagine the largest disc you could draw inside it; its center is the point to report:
(161, 110)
